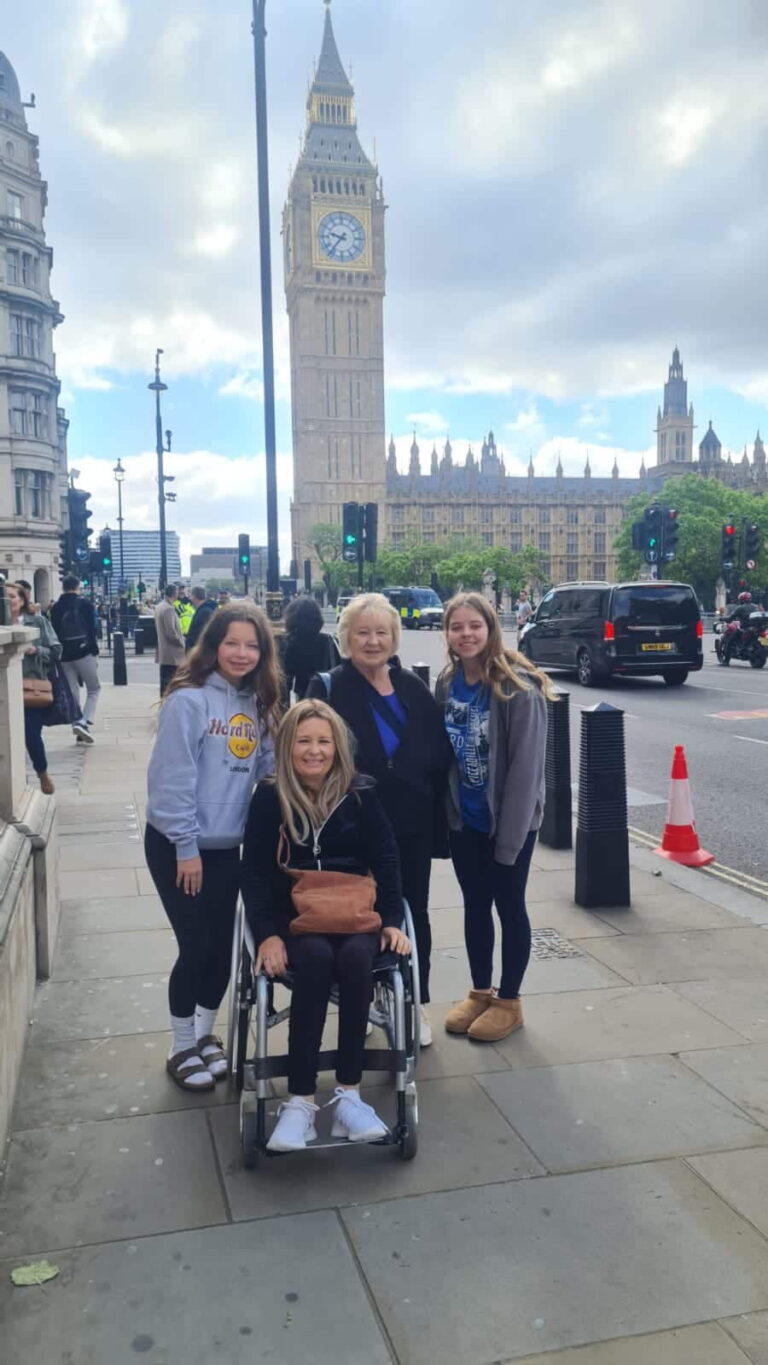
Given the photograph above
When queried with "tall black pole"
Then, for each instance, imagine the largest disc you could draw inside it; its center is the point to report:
(265, 254)
(120, 524)
(158, 387)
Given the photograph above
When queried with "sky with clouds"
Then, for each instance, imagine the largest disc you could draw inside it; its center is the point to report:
(574, 187)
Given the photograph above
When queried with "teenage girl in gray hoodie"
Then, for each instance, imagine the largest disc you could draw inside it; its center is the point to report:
(213, 744)
(495, 711)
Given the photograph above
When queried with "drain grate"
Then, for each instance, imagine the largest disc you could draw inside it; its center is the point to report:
(547, 943)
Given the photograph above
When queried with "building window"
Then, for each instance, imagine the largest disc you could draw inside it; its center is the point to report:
(429, 537)
(428, 516)
(12, 267)
(516, 541)
(599, 516)
(544, 540)
(487, 537)
(29, 270)
(572, 544)
(571, 569)
(515, 516)
(36, 486)
(398, 514)
(572, 516)
(15, 206)
(599, 568)
(398, 539)
(543, 516)
(19, 492)
(485, 516)
(28, 413)
(457, 516)
(25, 336)
(546, 569)
(599, 542)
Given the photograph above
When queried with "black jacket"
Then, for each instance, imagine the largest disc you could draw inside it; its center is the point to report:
(74, 621)
(355, 838)
(412, 784)
(304, 655)
(199, 621)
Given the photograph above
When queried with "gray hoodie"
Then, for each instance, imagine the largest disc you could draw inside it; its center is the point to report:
(209, 753)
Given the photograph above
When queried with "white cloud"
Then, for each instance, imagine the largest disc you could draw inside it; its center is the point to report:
(428, 423)
(527, 420)
(683, 126)
(244, 384)
(215, 241)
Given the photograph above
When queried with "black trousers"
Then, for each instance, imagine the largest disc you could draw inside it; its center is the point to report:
(484, 882)
(33, 738)
(203, 924)
(317, 960)
(415, 869)
(166, 673)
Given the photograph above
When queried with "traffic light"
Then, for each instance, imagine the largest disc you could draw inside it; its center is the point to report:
(79, 531)
(638, 535)
(653, 529)
(350, 533)
(105, 552)
(728, 545)
(671, 532)
(751, 544)
(244, 554)
(371, 530)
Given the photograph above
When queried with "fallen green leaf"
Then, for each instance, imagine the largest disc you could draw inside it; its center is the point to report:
(36, 1273)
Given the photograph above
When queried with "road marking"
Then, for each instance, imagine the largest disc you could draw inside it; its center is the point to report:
(751, 739)
(756, 886)
(738, 715)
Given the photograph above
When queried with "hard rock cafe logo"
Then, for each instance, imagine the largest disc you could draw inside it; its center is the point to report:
(240, 733)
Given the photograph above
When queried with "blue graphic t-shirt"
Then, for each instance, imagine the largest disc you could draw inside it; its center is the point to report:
(467, 713)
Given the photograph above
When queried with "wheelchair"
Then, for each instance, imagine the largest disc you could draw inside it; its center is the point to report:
(395, 1010)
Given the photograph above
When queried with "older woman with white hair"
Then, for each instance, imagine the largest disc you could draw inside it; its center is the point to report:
(401, 742)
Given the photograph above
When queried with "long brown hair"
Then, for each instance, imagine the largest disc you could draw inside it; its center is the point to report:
(263, 680)
(26, 601)
(303, 809)
(500, 666)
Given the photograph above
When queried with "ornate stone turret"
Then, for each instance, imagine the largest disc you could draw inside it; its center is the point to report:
(758, 454)
(414, 468)
(559, 469)
(710, 449)
(446, 464)
(469, 462)
(531, 470)
(674, 426)
(615, 470)
(434, 463)
(392, 457)
(643, 470)
(587, 469)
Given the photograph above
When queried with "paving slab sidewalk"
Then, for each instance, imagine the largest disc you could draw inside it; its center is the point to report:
(591, 1191)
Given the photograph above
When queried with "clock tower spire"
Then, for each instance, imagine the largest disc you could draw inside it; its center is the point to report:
(333, 243)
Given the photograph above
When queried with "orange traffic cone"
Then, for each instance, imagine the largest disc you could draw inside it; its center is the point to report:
(681, 842)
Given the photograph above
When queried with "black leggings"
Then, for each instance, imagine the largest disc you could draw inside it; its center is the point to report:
(317, 960)
(415, 868)
(483, 881)
(203, 924)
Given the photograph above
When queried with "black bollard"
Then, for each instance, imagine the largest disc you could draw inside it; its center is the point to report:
(422, 671)
(556, 827)
(602, 841)
(138, 640)
(119, 670)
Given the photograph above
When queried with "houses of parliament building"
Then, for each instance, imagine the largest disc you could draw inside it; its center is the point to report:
(334, 263)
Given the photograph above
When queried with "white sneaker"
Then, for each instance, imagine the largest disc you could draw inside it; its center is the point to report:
(82, 732)
(295, 1126)
(425, 1031)
(355, 1119)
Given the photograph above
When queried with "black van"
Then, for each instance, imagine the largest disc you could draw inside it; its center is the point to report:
(602, 629)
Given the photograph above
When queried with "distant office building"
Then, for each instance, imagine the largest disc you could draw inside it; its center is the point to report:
(141, 556)
(33, 429)
(220, 561)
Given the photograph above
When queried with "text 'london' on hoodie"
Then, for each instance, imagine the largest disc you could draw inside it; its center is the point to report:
(210, 750)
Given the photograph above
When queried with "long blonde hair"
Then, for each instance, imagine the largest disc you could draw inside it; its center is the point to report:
(500, 666)
(304, 810)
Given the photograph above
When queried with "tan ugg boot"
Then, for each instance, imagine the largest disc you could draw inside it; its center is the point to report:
(459, 1019)
(500, 1019)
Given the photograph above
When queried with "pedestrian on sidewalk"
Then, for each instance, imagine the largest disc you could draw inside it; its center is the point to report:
(74, 620)
(35, 668)
(306, 648)
(170, 641)
(205, 608)
(318, 813)
(495, 710)
(401, 743)
(214, 741)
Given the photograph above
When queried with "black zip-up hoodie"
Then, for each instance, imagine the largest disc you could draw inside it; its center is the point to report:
(412, 784)
(356, 838)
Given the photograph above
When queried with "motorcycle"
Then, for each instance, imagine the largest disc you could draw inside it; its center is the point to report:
(750, 643)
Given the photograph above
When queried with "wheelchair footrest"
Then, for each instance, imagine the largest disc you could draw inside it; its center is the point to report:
(374, 1059)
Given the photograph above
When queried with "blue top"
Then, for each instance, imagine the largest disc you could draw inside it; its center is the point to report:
(389, 736)
(467, 713)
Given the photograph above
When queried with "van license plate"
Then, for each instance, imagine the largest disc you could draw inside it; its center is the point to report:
(658, 648)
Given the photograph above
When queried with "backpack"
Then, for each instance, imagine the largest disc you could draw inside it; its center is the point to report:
(73, 633)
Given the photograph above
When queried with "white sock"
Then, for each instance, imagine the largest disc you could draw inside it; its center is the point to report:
(205, 1021)
(183, 1031)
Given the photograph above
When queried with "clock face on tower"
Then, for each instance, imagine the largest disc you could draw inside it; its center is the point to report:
(341, 237)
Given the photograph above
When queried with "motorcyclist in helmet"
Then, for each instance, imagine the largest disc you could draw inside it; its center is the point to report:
(737, 621)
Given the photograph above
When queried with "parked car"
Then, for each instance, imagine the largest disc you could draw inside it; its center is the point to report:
(601, 630)
(419, 608)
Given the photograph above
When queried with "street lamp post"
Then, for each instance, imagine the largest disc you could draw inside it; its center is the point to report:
(273, 596)
(119, 474)
(162, 478)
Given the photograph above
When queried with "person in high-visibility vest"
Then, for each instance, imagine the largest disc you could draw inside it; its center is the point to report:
(185, 610)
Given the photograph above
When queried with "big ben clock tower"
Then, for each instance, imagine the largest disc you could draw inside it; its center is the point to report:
(333, 242)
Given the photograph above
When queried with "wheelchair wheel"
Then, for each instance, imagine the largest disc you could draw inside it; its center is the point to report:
(408, 1145)
(244, 995)
(248, 1138)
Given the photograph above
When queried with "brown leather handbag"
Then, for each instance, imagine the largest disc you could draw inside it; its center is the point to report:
(329, 902)
(38, 692)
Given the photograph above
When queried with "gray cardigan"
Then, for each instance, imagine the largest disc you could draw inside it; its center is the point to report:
(517, 742)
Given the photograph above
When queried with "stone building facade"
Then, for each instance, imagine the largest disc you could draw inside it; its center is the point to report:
(33, 428)
(674, 443)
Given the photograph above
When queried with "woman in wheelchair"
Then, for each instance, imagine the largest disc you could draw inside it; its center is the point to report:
(318, 814)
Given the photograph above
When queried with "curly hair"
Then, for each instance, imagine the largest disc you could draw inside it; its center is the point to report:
(264, 680)
(499, 664)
